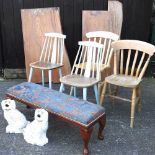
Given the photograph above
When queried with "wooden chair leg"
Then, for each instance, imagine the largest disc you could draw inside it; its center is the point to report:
(103, 93)
(74, 91)
(50, 78)
(60, 74)
(30, 74)
(86, 134)
(102, 122)
(96, 94)
(71, 91)
(84, 93)
(61, 88)
(133, 104)
(42, 73)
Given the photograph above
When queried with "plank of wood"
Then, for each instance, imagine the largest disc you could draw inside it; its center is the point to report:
(110, 20)
(35, 22)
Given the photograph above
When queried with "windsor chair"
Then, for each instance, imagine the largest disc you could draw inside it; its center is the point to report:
(86, 69)
(105, 38)
(51, 56)
(129, 72)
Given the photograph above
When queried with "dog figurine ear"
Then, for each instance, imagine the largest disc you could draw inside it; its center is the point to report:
(13, 104)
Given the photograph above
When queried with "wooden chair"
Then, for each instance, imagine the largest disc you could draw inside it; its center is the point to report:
(105, 38)
(134, 59)
(86, 68)
(51, 56)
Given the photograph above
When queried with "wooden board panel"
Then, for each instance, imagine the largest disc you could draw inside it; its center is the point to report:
(35, 22)
(110, 20)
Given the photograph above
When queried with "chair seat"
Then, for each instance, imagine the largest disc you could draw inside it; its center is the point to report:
(78, 81)
(123, 80)
(45, 65)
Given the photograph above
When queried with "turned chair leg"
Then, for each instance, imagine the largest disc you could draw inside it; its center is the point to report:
(71, 91)
(133, 104)
(103, 93)
(50, 78)
(60, 74)
(30, 74)
(86, 134)
(102, 122)
(96, 94)
(85, 94)
(74, 91)
(42, 73)
(61, 88)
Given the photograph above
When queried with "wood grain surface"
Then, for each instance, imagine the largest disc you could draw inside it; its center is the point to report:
(110, 20)
(35, 22)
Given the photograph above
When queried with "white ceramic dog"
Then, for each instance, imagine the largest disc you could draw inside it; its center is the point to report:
(35, 132)
(16, 120)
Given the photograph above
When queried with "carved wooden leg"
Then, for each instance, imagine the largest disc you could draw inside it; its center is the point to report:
(102, 122)
(86, 134)
(133, 104)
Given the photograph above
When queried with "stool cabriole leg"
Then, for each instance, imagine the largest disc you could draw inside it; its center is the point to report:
(86, 134)
(102, 122)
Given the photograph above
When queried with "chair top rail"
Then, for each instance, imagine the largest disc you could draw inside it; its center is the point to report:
(103, 34)
(134, 45)
(57, 35)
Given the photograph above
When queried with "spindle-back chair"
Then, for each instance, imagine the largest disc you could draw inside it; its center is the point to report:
(88, 74)
(105, 38)
(51, 56)
(134, 59)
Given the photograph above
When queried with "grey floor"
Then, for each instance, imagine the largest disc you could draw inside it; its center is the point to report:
(64, 139)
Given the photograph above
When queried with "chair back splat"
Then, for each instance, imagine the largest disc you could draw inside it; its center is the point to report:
(88, 59)
(134, 57)
(53, 48)
(51, 56)
(105, 38)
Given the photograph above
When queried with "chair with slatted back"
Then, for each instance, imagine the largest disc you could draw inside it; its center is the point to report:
(51, 56)
(105, 38)
(134, 59)
(88, 74)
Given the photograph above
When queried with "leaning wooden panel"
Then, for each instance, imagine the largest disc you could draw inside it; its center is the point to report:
(35, 22)
(110, 20)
